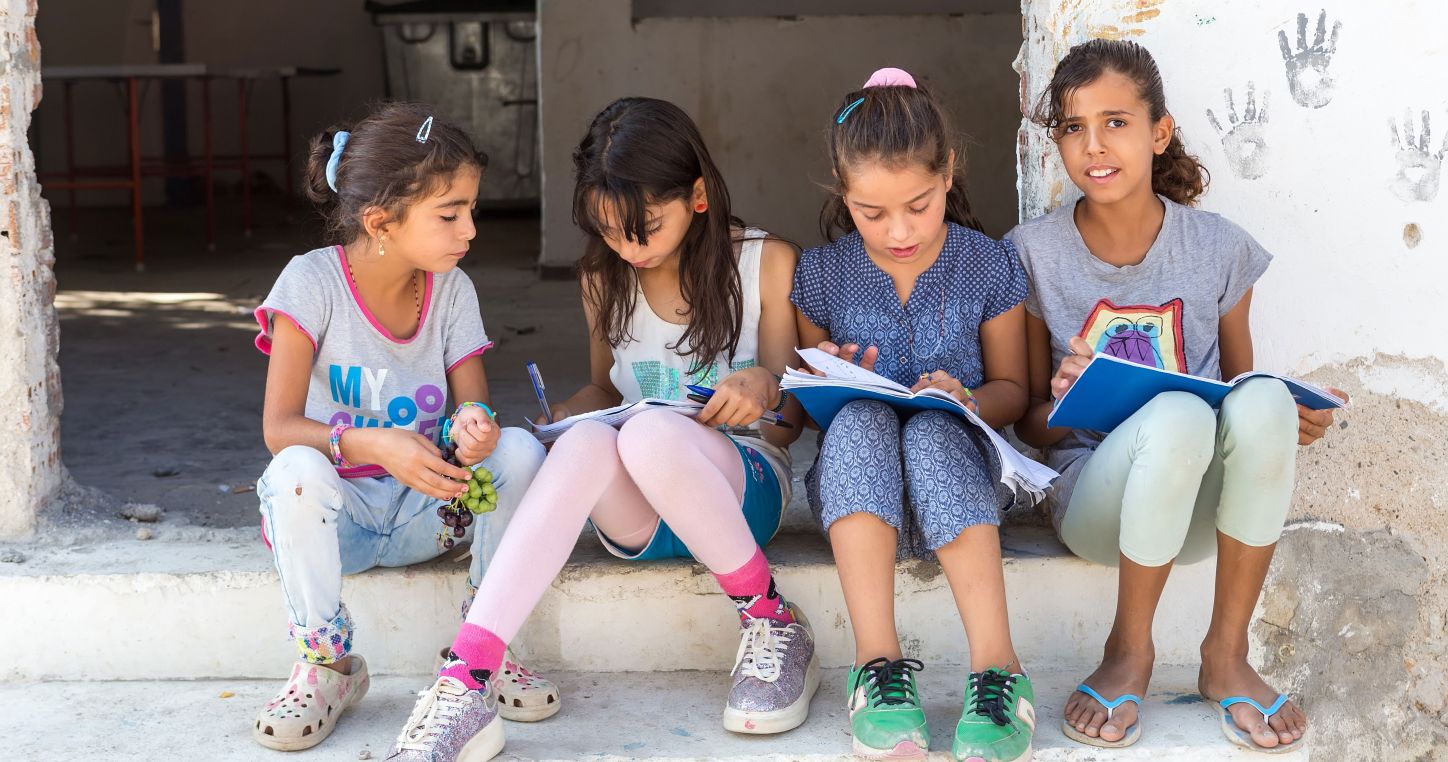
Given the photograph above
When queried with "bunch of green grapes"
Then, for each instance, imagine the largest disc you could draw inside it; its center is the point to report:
(479, 497)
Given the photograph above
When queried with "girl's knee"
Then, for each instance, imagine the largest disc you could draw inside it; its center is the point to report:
(297, 470)
(517, 456)
(1181, 422)
(865, 414)
(586, 437)
(646, 435)
(1261, 402)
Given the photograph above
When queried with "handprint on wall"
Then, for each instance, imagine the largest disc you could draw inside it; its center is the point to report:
(1244, 139)
(1419, 168)
(1307, 75)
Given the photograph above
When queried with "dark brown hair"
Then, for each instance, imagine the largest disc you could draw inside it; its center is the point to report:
(1175, 173)
(899, 126)
(384, 165)
(642, 151)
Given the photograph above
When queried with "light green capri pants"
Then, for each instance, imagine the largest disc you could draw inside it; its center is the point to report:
(1167, 479)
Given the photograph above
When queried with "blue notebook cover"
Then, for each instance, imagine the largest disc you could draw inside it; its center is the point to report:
(823, 403)
(1110, 390)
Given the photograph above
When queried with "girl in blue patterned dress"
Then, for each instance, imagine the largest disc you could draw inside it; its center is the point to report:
(910, 288)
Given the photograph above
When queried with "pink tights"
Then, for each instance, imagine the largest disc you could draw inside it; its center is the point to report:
(659, 466)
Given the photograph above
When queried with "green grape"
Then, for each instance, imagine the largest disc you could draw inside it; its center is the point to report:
(474, 490)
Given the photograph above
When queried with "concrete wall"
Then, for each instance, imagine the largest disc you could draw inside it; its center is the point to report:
(1354, 618)
(761, 90)
(258, 33)
(30, 469)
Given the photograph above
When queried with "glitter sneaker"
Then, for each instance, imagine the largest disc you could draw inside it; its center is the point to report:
(451, 723)
(775, 676)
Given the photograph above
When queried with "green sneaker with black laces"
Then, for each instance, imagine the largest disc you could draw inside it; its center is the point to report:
(999, 718)
(885, 715)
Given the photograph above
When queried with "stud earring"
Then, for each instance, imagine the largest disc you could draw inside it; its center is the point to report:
(701, 207)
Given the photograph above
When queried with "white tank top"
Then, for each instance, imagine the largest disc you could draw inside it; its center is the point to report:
(646, 366)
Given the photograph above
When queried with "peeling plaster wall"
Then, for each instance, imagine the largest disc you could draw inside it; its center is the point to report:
(30, 470)
(1336, 167)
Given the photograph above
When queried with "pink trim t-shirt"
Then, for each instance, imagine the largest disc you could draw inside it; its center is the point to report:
(361, 373)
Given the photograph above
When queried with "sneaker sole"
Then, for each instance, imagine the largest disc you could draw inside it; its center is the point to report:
(779, 720)
(902, 750)
(485, 745)
(1023, 758)
(306, 742)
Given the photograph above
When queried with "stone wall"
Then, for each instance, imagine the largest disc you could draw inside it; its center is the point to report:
(1321, 144)
(30, 469)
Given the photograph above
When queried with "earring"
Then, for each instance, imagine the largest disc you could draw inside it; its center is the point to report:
(701, 207)
(380, 250)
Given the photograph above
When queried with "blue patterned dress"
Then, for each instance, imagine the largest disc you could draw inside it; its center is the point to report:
(932, 475)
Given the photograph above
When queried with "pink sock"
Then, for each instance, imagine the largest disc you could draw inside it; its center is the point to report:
(474, 657)
(752, 588)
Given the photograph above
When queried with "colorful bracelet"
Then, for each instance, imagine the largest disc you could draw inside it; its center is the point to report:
(336, 440)
(448, 424)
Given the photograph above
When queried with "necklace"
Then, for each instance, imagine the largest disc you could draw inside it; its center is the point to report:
(416, 291)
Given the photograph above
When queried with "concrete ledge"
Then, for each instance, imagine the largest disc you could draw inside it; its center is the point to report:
(605, 716)
(159, 610)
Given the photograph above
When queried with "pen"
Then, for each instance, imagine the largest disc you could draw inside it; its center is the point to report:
(537, 379)
(702, 394)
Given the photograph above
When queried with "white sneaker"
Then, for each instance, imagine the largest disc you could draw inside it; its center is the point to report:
(450, 723)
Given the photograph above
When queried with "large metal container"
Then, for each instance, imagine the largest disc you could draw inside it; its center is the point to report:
(477, 63)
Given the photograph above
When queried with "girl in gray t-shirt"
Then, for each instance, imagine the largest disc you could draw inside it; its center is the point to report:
(372, 344)
(1132, 270)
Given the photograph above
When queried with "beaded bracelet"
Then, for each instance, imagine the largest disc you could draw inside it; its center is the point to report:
(784, 396)
(448, 424)
(336, 441)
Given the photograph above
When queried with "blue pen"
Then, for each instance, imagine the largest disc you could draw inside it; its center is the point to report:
(703, 393)
(537, 379)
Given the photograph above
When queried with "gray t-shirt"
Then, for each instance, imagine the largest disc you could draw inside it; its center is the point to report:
(1161, 312)
(361, 373)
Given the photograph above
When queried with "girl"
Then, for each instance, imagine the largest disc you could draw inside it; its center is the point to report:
(934, 303)
(1132, 270)
(363, 339)
(676, 291)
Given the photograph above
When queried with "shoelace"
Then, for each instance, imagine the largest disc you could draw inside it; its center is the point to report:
(435, 709)
(991, 689)
(761, 645)
(891, 681)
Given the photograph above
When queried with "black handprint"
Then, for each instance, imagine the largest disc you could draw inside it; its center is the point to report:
(1307, 74)
(1419, 169)
(1245, 139)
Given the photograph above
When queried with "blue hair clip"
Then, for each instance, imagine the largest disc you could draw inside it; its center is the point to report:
(848, 109)
(339, 141)
(425, 130)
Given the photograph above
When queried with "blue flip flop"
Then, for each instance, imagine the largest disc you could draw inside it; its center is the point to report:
(1243, 738)
(1133, 733)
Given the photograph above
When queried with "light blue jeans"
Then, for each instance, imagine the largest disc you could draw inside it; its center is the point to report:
(321, 526)
(1175, 473)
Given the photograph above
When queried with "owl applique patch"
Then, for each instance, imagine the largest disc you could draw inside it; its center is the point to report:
(1144, 335)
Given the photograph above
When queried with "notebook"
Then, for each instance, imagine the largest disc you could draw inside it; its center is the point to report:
(613, 416)
(846, 382)
(1110, 390)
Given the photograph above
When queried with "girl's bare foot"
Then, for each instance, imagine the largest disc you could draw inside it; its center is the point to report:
(1123, 670)
(1224, 675)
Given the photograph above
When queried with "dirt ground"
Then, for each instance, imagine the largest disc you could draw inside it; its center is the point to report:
(163, 386)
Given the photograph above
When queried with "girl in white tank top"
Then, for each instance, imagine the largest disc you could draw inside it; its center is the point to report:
(676, 292)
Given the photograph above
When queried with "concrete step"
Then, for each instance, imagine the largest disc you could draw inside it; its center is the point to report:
(187, 609)
(605, 716)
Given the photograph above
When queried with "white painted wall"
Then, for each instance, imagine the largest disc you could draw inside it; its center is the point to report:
(1330, 202)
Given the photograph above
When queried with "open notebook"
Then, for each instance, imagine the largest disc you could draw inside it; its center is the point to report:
(845, 382)
(613, 416)
(1110, 390)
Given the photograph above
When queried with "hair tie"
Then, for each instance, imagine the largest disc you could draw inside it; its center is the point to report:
(887, 77)
(890, 77)
(339, 141)
(425, 130)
